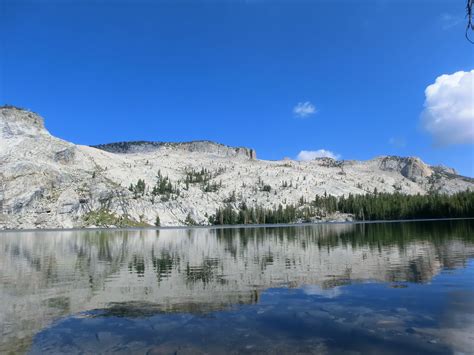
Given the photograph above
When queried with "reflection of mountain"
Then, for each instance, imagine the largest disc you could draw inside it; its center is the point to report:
(46, 275)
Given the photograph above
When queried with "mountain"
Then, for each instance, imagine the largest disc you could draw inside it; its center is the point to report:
(46, 182)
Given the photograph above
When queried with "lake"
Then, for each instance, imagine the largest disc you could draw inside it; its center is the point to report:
(399, 288)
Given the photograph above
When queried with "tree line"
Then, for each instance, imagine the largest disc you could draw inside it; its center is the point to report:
(385, 206)
(244, 214)
(375, 206)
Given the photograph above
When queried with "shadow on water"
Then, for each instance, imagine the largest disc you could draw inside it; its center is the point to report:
(315, 288)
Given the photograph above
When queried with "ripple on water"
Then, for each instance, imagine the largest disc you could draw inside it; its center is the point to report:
(313, 288)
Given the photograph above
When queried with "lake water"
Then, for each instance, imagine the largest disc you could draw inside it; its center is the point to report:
(332, 288)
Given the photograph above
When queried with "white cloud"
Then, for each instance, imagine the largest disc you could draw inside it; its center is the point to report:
(397, 142)
(448, 21)
(449, 109)
(313, 154)
(304, 109)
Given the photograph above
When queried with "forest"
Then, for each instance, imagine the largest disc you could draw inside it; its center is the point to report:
(368, 207)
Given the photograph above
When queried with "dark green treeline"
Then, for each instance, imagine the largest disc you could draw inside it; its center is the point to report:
(375, 206)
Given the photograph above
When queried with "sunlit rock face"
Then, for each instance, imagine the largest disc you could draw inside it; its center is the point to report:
(204, 147)
(16, 122)
(46, 275)
(412, 168)
(46, 182)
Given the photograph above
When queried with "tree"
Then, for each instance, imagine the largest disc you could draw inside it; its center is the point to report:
(157, 221)
(138, 189)
(164, 188)
(470, 24)
(190, 220)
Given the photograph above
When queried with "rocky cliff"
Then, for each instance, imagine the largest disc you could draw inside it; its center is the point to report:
(205, 147)
(46, 182)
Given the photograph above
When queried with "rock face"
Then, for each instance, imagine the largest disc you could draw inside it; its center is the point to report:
(412, 168)
(46, 182)
(205, 147)
(17, 122)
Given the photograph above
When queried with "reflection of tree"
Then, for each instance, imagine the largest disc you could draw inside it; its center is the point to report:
(101, 254)
(377, 235)
(137, 265)
(204, 272)
(97, 250)
(163, 264)
(374, 235)
(199, 269)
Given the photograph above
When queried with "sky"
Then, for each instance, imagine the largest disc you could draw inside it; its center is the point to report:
(298, 79)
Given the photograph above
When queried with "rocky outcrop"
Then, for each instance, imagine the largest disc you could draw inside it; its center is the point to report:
(16, 122)
(134, 147)
(65, 156)
(410, 167)
(208, 147)
(444, 170)
(46, 182)
(205, 147)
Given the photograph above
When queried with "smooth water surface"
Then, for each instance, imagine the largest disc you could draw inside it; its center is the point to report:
(341, 288)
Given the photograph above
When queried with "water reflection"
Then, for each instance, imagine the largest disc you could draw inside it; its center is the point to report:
(172, 273)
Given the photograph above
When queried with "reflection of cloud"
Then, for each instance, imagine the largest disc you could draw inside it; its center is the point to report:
(370, 318)
(457, 323)
(314, 290)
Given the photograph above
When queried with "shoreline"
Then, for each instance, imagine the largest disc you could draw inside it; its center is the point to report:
(228, 226)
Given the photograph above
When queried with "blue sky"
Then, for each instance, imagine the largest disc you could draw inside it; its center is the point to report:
(282, 76)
